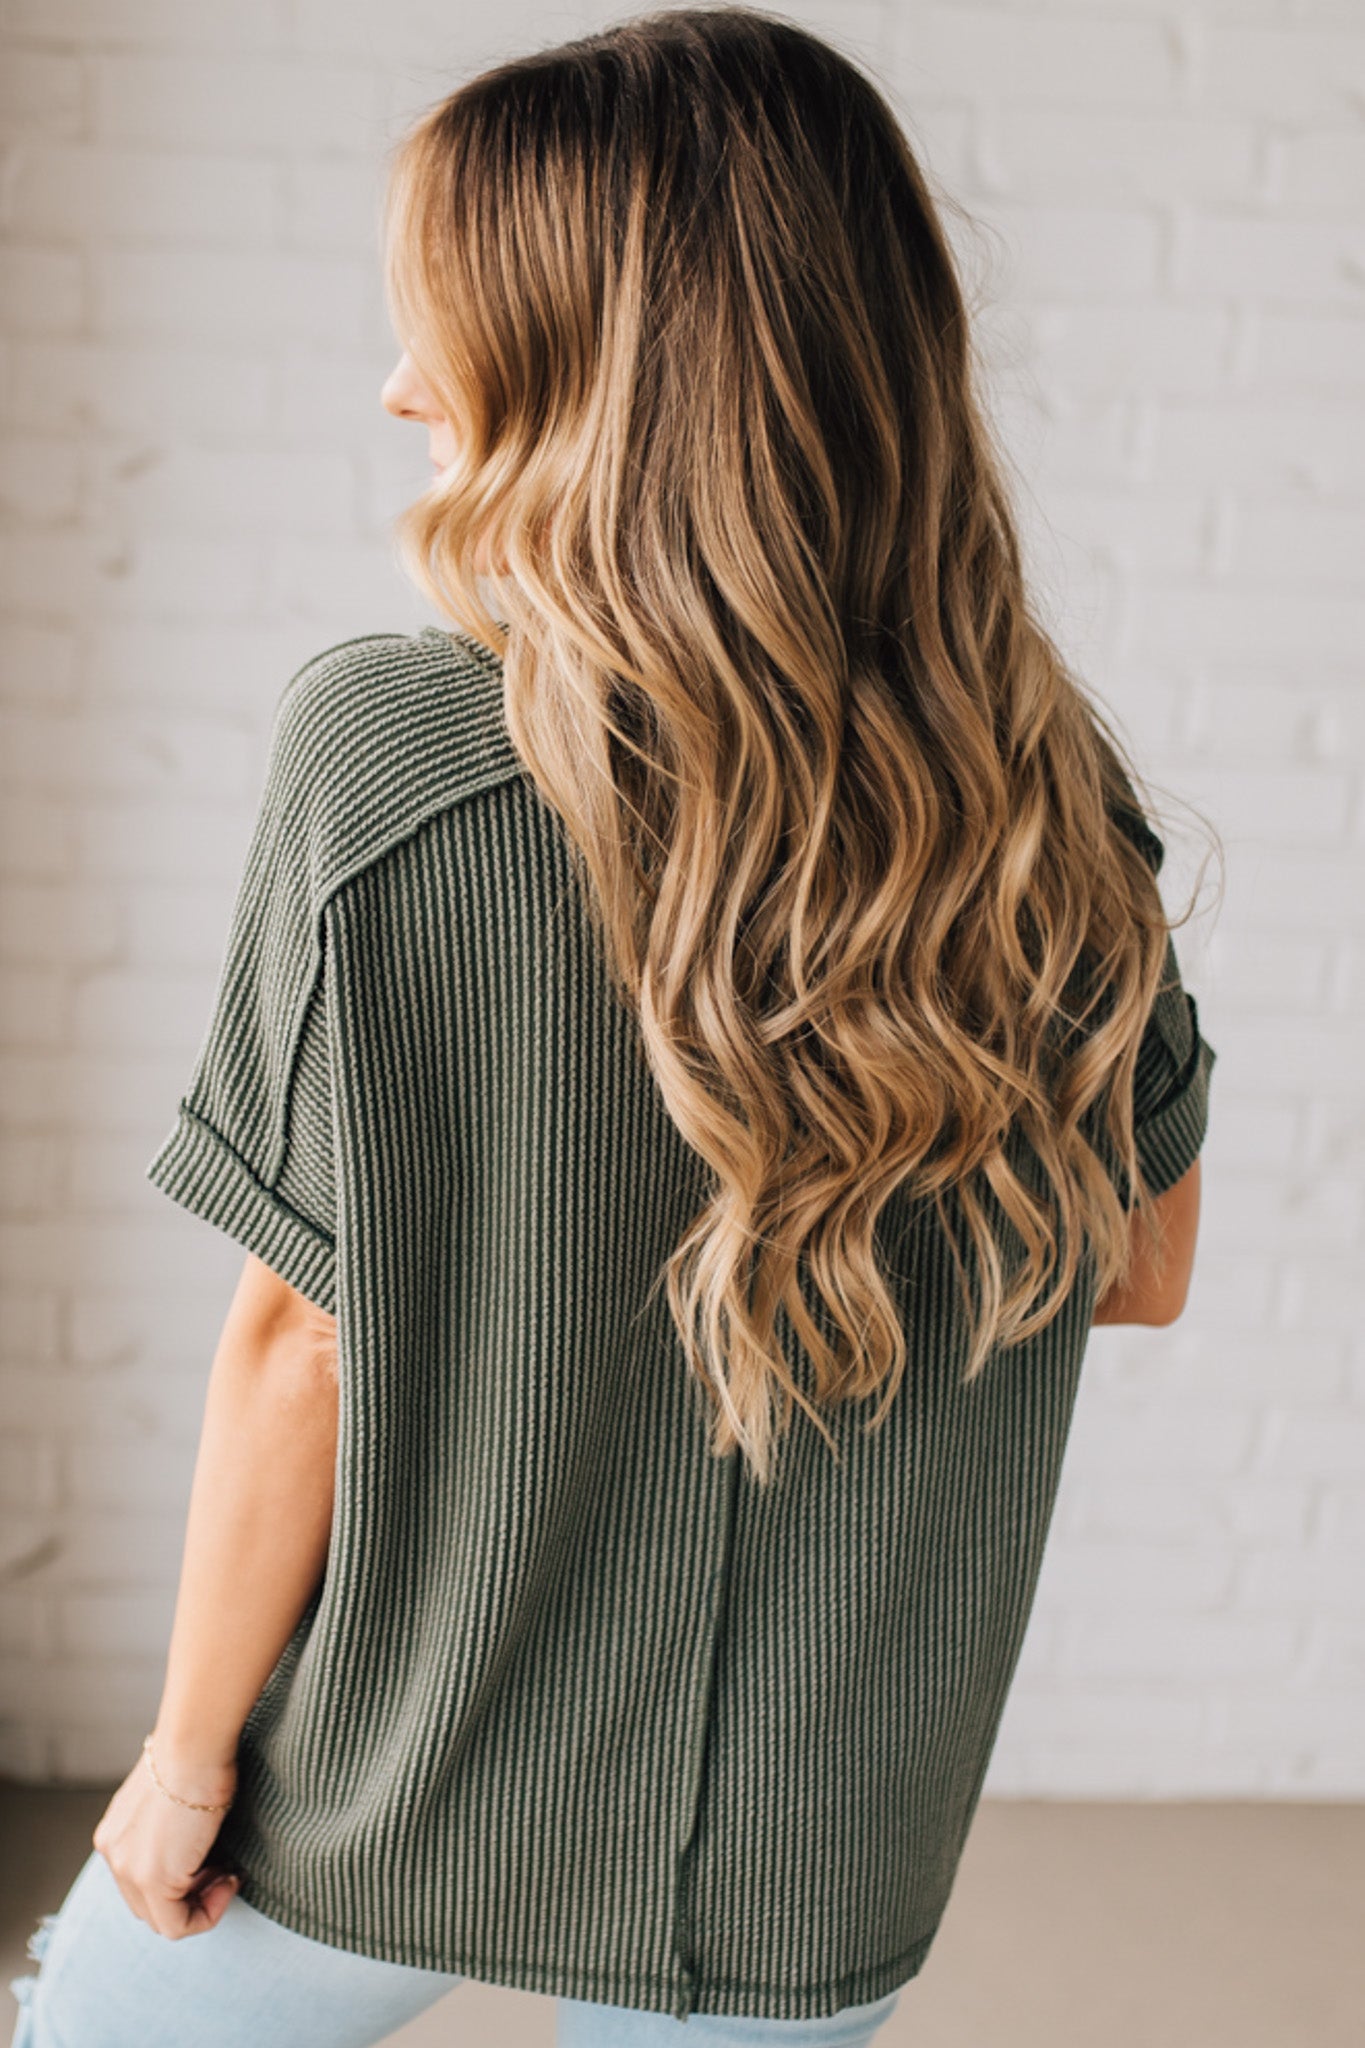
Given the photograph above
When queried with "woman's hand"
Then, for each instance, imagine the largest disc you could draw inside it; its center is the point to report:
(157, 1849)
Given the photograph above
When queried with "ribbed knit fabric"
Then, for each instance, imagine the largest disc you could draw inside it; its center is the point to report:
(578, 1708)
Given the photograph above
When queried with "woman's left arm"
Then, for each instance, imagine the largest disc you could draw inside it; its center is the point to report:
(256, 1539)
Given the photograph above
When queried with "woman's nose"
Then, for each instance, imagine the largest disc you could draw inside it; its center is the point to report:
(399, 394)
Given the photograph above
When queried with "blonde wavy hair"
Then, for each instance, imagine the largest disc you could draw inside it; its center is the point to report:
(863, 855)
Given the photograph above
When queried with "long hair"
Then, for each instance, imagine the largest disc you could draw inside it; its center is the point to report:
(852, 833)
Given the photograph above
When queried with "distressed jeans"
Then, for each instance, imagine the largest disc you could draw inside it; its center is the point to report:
(108, 1980)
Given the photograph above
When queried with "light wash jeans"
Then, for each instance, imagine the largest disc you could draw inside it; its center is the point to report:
(108, 1980)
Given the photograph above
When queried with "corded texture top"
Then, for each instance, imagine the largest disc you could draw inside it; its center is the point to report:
(577, 1708)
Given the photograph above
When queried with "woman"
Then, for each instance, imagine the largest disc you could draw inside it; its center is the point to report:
(728, 979)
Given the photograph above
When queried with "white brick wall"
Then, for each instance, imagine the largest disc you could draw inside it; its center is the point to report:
(196, 486)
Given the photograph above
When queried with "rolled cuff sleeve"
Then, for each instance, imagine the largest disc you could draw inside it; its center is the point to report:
(197, 1168)
(1170, 1136)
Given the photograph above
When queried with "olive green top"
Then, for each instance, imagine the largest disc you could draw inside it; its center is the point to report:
(577, 1707)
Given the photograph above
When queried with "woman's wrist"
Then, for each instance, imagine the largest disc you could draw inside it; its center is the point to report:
(191, 1767)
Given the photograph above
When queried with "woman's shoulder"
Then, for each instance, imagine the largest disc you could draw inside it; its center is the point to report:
(362, 684)
(377, 733)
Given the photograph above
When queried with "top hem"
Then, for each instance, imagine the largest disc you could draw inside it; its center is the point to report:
(681, 1994)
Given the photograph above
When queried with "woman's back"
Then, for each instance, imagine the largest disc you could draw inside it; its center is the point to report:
(579, 1707)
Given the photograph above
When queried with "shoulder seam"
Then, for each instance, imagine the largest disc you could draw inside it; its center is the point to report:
(317, 968)
(407, 757)
(410, 827)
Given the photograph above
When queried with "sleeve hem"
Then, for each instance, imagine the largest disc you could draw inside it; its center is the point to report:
(197, 1168)
(1169, 1142)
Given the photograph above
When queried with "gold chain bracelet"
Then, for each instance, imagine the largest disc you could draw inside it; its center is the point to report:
(195, 1805)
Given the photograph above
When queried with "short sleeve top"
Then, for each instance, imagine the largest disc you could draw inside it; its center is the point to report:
(576, 1707)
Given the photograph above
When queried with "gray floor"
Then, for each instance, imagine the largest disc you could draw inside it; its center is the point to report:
(1073, 1925)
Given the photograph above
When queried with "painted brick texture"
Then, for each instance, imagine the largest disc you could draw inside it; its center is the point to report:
(196, 490)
